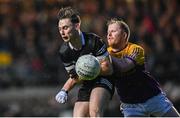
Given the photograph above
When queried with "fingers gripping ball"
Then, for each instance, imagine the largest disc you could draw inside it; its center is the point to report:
(87, 67)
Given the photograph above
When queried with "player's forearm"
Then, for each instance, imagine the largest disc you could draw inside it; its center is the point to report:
(70, 83)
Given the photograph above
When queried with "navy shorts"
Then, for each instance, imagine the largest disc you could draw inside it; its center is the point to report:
(87, 86)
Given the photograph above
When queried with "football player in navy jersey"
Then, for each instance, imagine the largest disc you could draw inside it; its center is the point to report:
(139, 92)
(93, 95)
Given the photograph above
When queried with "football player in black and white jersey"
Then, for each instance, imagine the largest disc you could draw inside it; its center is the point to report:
(93, 95)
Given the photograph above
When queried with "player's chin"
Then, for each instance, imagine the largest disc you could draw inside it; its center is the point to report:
(66, 39)
(110, 43)
(110, 40)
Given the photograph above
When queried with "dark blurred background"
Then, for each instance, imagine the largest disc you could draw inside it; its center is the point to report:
(31, 73)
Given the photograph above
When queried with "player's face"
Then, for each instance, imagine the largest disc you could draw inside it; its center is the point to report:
(67, 29)
(115, 36)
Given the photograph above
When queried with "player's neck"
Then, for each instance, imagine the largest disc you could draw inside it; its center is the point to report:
(118, 49)
(76, 43)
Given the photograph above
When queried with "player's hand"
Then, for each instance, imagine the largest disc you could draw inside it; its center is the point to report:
(62, 97)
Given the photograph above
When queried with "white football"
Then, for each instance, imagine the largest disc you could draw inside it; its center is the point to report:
(87, 67)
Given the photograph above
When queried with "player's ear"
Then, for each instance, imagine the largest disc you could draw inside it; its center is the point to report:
(125, 35)
(77, 26)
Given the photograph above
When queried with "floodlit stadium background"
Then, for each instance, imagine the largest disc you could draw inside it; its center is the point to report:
(31, 72)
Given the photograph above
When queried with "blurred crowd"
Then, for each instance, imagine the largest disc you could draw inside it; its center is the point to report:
(29, 38)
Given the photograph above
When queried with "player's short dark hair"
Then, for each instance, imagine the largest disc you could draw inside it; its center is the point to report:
(122, 24)
(68, 12)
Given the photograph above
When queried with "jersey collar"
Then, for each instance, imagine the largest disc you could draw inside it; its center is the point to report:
(82, 39)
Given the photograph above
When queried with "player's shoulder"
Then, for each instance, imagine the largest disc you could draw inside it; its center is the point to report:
(63, 48)
(65, 52)
(91, 35)
(135, 46)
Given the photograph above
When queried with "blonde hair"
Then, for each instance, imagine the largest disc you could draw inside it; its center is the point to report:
(122, 24)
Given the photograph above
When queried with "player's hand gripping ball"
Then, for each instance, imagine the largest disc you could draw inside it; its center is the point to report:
(87, 67)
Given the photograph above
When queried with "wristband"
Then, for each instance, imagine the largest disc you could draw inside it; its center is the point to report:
(64, 91)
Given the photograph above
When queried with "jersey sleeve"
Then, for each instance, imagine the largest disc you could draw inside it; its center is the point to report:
(100, 48)
(68, 64)
(136, 54)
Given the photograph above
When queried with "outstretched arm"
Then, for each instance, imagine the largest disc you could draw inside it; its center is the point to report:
(122, 65)
(70, 83)
(62, 96)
